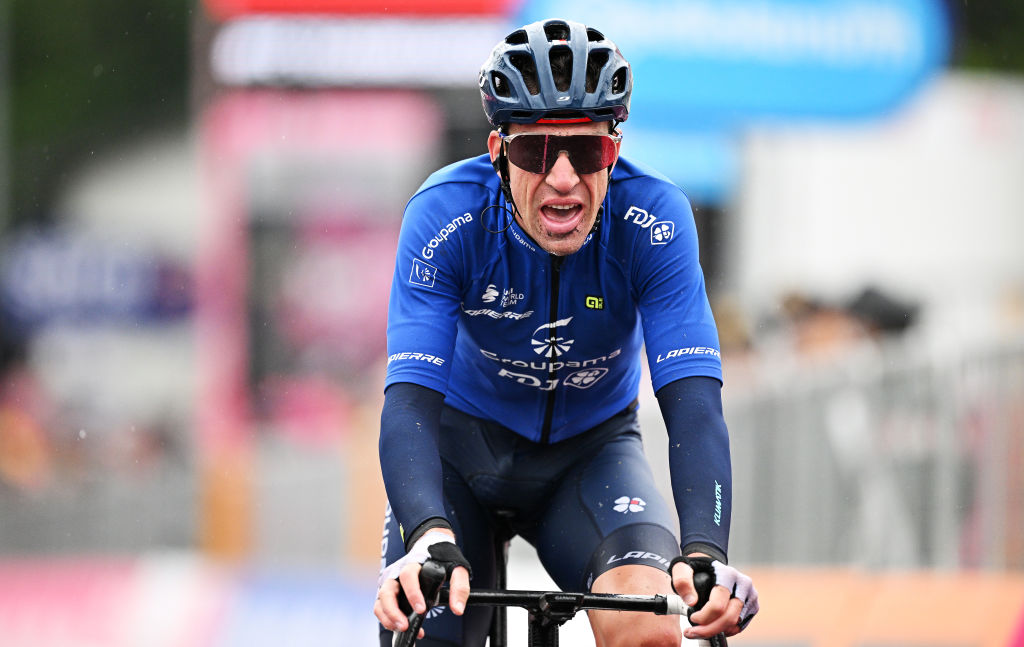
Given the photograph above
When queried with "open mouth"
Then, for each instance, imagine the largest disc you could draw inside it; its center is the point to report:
(561, 218)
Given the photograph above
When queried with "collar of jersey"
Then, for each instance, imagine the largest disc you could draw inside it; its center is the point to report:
(519, 238)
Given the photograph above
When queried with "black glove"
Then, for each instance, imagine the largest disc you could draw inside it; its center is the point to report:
(449, 557)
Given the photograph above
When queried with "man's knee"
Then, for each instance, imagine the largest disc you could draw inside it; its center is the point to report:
(621, 629)
(626, 629)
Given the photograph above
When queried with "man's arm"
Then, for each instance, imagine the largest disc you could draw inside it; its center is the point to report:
(699, 462)
(702, 487)
(409, 458)
(411, 467)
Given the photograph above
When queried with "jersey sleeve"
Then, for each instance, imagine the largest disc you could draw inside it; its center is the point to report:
(425, 294)
(679, 330)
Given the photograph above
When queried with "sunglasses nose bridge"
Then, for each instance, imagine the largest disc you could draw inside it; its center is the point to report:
(559, 173)
(556, 154)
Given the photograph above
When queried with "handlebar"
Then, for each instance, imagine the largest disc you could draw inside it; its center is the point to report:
(549, 607)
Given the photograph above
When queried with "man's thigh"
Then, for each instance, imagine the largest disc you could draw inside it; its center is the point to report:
(606, 514)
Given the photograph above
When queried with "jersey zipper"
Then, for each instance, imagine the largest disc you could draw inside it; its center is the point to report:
(549, 411)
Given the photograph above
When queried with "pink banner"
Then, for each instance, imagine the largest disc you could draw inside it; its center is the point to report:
(55, 604)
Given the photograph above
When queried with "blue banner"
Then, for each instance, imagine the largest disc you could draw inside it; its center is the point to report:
(730, 62)
(51, 276)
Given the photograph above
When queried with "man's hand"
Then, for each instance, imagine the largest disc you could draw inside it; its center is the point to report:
(403, 575)
(733, 601)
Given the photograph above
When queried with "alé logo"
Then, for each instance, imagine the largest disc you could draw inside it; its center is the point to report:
(661, 230)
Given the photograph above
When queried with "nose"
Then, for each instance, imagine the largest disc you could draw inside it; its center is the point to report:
(562, 177)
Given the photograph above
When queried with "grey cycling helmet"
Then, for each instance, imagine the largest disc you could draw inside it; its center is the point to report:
(554, 71)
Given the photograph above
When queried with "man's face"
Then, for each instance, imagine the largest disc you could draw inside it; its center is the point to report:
(558, 208)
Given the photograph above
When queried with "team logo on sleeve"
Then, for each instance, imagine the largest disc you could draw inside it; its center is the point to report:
(661, 232)
(689, 350)
(422, 273)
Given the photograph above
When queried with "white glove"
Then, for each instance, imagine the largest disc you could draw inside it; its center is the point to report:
(739, 585)
(419, 553)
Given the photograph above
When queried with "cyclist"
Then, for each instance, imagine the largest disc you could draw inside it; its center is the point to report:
(526, 282)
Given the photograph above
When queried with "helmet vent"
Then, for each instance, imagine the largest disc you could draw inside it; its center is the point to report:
(595, 63)
(561, 67)
(524, 63)
(619, 81)
(500, 85)
(594, 35)
(556, 31)
(517, 37)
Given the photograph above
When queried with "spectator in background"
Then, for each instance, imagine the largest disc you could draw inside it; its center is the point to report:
(25, 461)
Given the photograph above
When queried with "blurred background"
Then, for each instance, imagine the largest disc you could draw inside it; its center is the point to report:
(199, 202)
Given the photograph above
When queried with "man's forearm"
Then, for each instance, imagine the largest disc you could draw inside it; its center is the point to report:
(409, 459)
(701, 468)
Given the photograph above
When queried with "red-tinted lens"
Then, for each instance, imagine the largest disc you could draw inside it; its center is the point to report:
(538, 153)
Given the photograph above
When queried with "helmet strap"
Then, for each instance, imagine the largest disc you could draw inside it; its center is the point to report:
(501, 164)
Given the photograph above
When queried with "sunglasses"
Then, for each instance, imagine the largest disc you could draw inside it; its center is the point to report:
(537, 153)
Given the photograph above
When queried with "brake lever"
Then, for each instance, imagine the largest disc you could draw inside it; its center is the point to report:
(432, 576)
(703, 583)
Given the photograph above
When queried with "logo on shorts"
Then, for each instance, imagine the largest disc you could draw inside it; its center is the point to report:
(625, 504)
(639, 555)
(433, 612)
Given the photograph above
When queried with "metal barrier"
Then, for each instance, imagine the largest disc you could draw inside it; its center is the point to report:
(887, 459)
(103, 513)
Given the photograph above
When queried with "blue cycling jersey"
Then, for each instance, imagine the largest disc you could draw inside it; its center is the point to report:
(547, 346)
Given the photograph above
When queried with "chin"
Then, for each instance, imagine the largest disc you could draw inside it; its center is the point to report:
(564, 247)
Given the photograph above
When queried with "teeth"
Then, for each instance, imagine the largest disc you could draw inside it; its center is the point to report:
(563, 207)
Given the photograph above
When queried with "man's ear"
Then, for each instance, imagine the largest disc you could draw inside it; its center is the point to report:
(494, 148)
